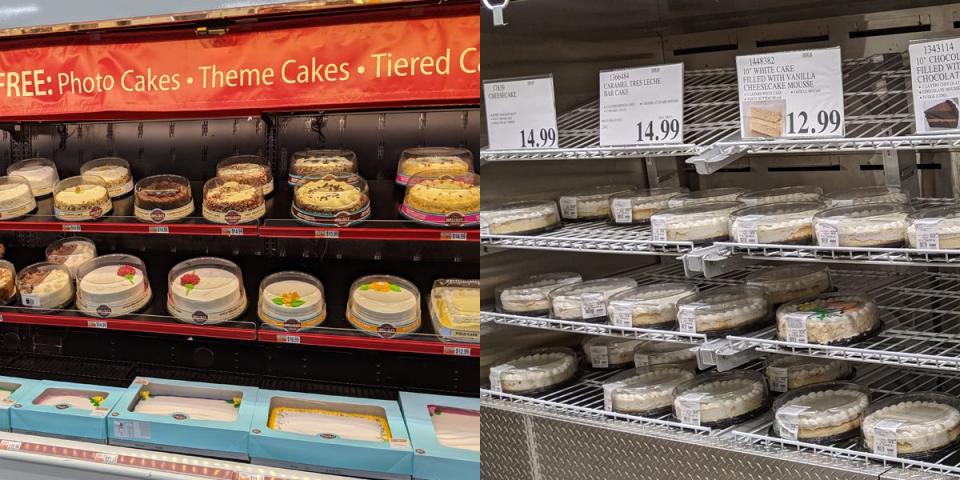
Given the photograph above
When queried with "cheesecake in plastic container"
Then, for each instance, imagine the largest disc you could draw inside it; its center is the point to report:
(710, 195)
(659, 353)
(921, 425)
(81, 198)
(791, 282)
(384, 306)
(703, 223)
(162, 198)
(537, 371)
(590, 203)
(206, 291)
(291, 301)
(934, 228)
(649, 306)
(45, 286)
(609, 352)
(320, 163)
(115, 173)
(16, 198)
(719, 400)
(799, 193)
(639, 205)
(790, 372)
(530, 296)
(112, 286)
(867, 195)
(248, 169)
(331, 201)
(40, 173)
(587, 301)
(829, 319)
(433, 162)
(823, 413)
(8, 282)
(869, 225)
(230, 202)
(776, 223)
(723, 311)
(644, 391)
(455, 309)
(520, 218)
(71, 252)
(443, 201)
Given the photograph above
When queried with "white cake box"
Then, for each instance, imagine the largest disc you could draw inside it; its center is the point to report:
(65, 410)
(378, 446)
(185, 417)
(445, 432)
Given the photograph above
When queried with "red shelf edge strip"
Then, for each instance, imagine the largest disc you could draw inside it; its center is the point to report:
(371, 343)
(145, 326)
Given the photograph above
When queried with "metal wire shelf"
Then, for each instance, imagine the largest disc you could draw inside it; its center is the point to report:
(596, 236)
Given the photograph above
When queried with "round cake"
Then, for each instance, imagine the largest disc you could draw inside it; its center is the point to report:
(433, 162)
(530, 296)
(609, 352)
(163, 198)
(652, 306)
(81, 198)
(115, 173)
(871, 225)
(828, 319)
(232, 202)
(519, 218)
(444, 201)
(384, 305)
(45, 286)
(777, 223)
(16, 198)
(720, 399)
(791, 282)
(331, 201)
(934, 228)
(587, 301)
(591, 203)
(639, 205)
(711, 195)
(789, 373)
(919, 424)
(205, 291)
(534, 372)
(700, 223)
(71, 252)
(320, 163)
(822, 413)
(722, 311)
(661, 353)
(40, 173)
(799, 193)
(246, 169)
(111, 286)
(645, 391)
(291, 301)
(8, 282)
(455, 309)
(867, 195)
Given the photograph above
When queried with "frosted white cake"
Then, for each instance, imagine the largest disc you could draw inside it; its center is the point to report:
(292, 299)
(788, 283)
(78, 399)
(45, 288)
(16, 200)
(721, 310)
(926, 425)
(121, 288)
(881, 225)
(535, 371)
(209, 290)
(41, 178)
(699, 223)
(822, 414)
(645, 391)
(456, 427)
(722, 400)
(349, 426)
(211, 409)
(117, 178)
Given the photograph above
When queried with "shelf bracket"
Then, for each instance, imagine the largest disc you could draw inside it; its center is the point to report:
(718, 155)
(724, 354)
(900, 170)
(710, 261)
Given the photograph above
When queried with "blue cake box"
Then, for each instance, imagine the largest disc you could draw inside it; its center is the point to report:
(65, 420)
(18, 388)
(436, 459)
(327, 452)
(177, 432)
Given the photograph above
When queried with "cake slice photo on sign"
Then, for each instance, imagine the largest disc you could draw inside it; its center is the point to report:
(765, 119)
(942, 114)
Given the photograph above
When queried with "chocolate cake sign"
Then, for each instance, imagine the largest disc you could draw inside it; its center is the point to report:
(935, 73)
(794, 94)
(642, 105)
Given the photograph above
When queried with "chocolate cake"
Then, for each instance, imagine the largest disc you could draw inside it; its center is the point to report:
(164, 194)
(942, 115)
(60, 254)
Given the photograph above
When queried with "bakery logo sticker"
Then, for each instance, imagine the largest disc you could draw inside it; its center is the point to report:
(96, 212)
(292, 325)
(104, 310)
(62, 406)
(328, 436)
(199, 317)
(232, 217)
(386, 330)
(179, 416)
(343, 219)
(157, 215)
(454, 219)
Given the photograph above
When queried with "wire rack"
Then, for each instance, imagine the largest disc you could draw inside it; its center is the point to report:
(598, 236)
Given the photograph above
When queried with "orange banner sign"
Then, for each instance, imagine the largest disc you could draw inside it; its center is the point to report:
(355, 65)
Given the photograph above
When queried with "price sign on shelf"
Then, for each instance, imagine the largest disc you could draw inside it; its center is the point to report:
(521, 113)
(642, 106)
(935, 76)
(791, 94)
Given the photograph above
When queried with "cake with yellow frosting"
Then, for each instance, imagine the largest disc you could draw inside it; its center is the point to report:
(329, 195)
(320, 421)
(444, 195)
(455, 309)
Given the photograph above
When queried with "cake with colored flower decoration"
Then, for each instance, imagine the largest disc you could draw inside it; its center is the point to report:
(192, 408)
(384, 305)
(112, 285)
(363, 427)
(828, 319)
(206, 291)
(291, 301)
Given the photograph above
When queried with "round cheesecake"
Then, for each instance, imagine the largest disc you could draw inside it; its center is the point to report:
(637, 206)
(530, 296)
(644, 391)
(789, 373)
(828, 319)
(163, 198)
(923, 424)
(934, 228)
(660, 353)
(822, 413)
(866, 196)
(609, 352)
(651, 306)
(778, 223)
(443, 201)
(587, 301)
(534, 372)
(791, 282)
(40, 173)
(81, 198)
(455, 309)
(870, 225)
(16, 198)
(433, 162)
(699, 223)
(232, 202)
(723, 310)
(115, 173)
(331, 201)
(591, 203)
(720, 399)
(247, 169)
(520, 218)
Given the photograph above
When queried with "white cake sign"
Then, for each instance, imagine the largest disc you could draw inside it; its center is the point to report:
(642, 106)
(520, 113)
(935, 82)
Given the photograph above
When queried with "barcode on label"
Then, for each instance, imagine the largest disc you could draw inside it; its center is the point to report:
(827, 235)
(686, 320)
(72, 228)
(689, 408)
(746, 230)
(779, 380)
(621, 210)
(326, 234)
(131, 429)
(608, 390)
(159, 229)
(928, 234)
(788, 420)
(658, 229)
(797, 328)
(885, 437)
(621, 317)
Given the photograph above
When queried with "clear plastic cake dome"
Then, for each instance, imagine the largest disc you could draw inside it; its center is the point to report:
(45, 286)
(723, 311)
(720, 399)
(775, 223)
(829, 319)
(644, 391)
(112, 286)
(535, 371)
(16, 197)
(433, 162)
(868, 225)
(443, 201)
(455, 309)
(231, 202)
(206, 291)
(8, 282)
(823, 413)
(798, 193)
(331, 201)
(934, 228)
(710, 195)
(163, 198)
(80, 198)
(701, 223)
(291, 301)
(519, 218)
(867, 195)
(41, 173)
(384, 306)
(659, 353)
(249, 169)
(609, 352)
(916, 425)
(791, 282)
(791, 372)
(648, 306)
(587, 301)
(531, 295)
(320, 163)
(115, 173)
(590, 203)
(71, 252)
(637, 206)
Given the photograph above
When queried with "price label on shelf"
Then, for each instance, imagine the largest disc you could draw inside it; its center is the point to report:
(294, 339)
(791, 94)
(928, 233)
(788, 420)
(11, 445)
(521, 113)
(160, 229)
(232, 231)
(458, 351)
(72, 227)
(109, 458)
(935, 82)
(885, 437)
(324, 233)
(96, 324)
(642, 106)
(453, 236)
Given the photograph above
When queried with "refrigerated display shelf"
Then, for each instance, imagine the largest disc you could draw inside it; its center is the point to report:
(598, 236)
(421, 343)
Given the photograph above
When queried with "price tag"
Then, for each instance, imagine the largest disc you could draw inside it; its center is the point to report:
(592, 305)
(608, 389)
(686, 320)
(688, 408)
(621, 210)
(321, 233)
(779, 380)
(621, 316)
(791, 94)
(788, 420)
(29, 299)
(935, 82)
(458, 351)
(745, 229)
(131, 429)
(796, 327)
(928, 233)
(495, 373)
(827, 235)
(658, 229)
(885, 437)
(11, 445)
(72, 227)
(161, 229)
(109, 458)
(294, 339)
(642, 106)
(568, 208)
(521, 113)
(599, 356)
(400, 443)
(96, 324)
(453, 236)
(232, 231)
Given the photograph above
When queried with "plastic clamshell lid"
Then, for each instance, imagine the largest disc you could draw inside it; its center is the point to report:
(710, 195)
(540, 284)
(650, 194)
(722, 386)
(703, 210)
(778, 211)
(597, 192)
(866, 212)
(830, 398)
(798, 193)
(652, 294)
(653, 378)
(876, 194)
(723, 298)
(788, 273)
(606, 286)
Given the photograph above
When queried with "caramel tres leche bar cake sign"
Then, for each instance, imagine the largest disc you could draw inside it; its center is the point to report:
(121, 75)
(791, 94)
(935, 75)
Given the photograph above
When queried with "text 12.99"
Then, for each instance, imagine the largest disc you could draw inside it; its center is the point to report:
(800, 123)
(542, 138)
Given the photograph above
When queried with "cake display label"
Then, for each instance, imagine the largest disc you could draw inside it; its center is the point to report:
(928, 233)
(642, 105)
(885, 437)
(568, 207)
(779, 379)
(797, 328)
(788, 418)
(658, 229)
(746, 229)
(521, 113)
(687, 319)
(935, 83)
(791, 94)
(599, 356)
(827, 235)
(621, 209)
(621, 317)
(592, 305)
(688, 408)
(495, 373)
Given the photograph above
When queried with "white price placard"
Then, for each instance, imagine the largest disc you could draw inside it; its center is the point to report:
(642, 106)
(935, 81)
(791, 94)
(520, 113)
